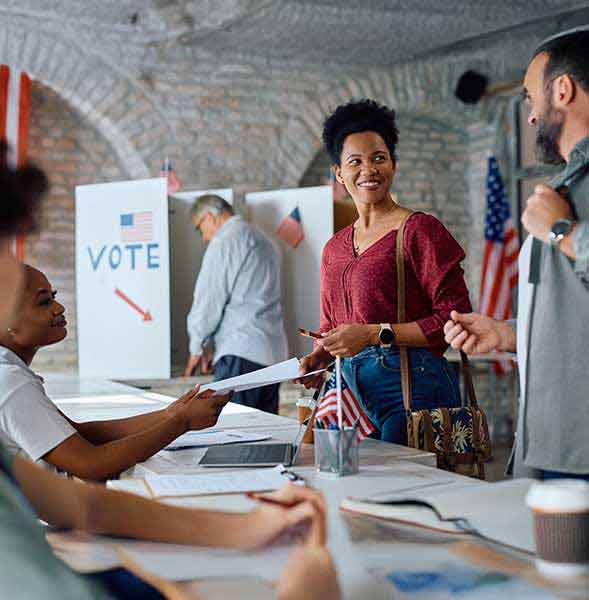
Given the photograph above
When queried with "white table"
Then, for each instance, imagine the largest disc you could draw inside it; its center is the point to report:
(363, 549)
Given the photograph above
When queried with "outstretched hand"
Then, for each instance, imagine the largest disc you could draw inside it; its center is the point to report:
(474, 333)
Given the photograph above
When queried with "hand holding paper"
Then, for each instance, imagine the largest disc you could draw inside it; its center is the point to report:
(282, 371)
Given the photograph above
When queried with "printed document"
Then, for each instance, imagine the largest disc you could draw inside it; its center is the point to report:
(226, 482)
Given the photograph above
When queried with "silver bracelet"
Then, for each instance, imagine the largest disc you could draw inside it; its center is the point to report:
(581, 248)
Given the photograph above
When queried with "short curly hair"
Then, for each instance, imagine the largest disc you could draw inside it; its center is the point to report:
(356, 117)
(21, 191)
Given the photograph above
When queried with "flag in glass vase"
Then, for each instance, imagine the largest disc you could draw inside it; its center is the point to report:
(352, 410)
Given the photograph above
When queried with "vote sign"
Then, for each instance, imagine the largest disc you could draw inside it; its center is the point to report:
(123, 279)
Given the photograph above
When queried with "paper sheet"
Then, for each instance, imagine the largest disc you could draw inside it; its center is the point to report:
(282, 371)
(216, 437)
(87, 553)
(225, 482)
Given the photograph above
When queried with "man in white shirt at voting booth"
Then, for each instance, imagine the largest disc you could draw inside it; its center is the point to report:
(237, 300)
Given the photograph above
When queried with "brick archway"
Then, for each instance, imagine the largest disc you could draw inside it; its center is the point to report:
(115, 104)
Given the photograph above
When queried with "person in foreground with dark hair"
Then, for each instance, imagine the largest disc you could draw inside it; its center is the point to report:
(29, 568)
(359, 279)
(552, 330)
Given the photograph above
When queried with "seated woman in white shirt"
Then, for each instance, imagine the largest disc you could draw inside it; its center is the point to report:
(32, 424)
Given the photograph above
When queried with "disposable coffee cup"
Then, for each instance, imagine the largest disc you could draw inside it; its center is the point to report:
(561, 526)
(304, 410)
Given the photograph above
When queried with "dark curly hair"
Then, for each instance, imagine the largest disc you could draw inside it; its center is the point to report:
(356, 117)
(21, 190)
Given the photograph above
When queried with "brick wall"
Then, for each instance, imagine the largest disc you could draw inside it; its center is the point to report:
(72, 153)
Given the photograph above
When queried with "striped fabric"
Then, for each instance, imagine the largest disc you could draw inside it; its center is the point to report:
(15, 101)
(351, 409)
(499, 273)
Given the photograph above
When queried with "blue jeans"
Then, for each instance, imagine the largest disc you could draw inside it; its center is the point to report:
(546, 475)
(375, 377)
(264, 398)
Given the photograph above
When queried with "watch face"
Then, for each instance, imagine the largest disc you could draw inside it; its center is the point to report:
(386, 336)
(561, 227)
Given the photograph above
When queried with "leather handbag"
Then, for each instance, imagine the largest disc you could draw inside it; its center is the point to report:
(458, 436)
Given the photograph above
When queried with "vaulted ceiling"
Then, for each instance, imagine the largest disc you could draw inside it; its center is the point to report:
(354, 33)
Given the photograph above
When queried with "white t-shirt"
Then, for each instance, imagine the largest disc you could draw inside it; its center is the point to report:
(29, 421)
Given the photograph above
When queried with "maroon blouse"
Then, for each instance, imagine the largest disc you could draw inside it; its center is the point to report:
(363, 289)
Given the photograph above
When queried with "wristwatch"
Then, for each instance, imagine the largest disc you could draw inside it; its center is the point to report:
(386, 335)
(559, 230)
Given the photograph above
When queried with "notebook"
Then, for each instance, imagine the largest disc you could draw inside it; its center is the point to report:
(495, 511)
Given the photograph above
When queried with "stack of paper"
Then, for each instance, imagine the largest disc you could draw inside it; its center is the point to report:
(226, 482)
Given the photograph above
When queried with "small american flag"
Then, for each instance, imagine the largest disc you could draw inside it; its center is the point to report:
(499, 273)
(290, 229)
(351, 409)
(137, 227)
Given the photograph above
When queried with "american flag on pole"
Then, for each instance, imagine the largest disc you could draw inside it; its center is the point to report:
(290, 229)
(137, 227)
(168, 172)
(15, 102)
(499, 274)
(351, 409)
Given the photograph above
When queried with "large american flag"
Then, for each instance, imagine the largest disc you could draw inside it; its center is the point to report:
(15, 102)
(351, 409)
(137, 227)
(499, 274)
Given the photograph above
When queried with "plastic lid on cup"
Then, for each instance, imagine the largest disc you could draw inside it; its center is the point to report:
(559, 495)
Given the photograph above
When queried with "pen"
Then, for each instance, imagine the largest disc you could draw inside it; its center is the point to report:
(308, 333)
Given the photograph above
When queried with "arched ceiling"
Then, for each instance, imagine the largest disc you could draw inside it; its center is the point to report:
(351, 33)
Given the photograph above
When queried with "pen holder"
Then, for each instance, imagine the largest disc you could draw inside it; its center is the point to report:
(336, 452)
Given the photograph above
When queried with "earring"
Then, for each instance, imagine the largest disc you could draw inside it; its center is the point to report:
(9, 329)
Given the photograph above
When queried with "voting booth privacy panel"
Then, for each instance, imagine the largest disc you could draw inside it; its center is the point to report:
(123, 279)
(186, 252)
(301, 265)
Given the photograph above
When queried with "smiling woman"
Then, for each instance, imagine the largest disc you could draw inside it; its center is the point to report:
(359, 300)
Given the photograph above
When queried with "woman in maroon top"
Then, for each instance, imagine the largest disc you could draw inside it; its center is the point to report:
(359, 279)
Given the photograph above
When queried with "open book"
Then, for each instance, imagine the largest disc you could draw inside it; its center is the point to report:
(495, 511)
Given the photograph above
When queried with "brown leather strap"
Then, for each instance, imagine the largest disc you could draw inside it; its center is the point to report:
(403, 352)
(471, 398)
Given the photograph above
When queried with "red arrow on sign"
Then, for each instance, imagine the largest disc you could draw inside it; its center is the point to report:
(145, 314)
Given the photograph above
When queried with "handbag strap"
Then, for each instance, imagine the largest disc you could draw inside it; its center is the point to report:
(403, 353)
(471, 399)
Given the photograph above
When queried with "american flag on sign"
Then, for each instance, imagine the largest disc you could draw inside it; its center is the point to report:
(15, 104)
(137, 227)
(351, 409)
(290, 229)
(499, 274)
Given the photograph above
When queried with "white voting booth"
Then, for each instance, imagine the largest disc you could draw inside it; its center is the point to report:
(300, 266)
(133, 295)
(137, 259)
(122, 279)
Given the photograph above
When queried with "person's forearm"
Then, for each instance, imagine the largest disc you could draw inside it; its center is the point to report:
(101, 432)
(120, 514)
(406, 334)
(69, 504)
(507, 335)
(78, 457)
